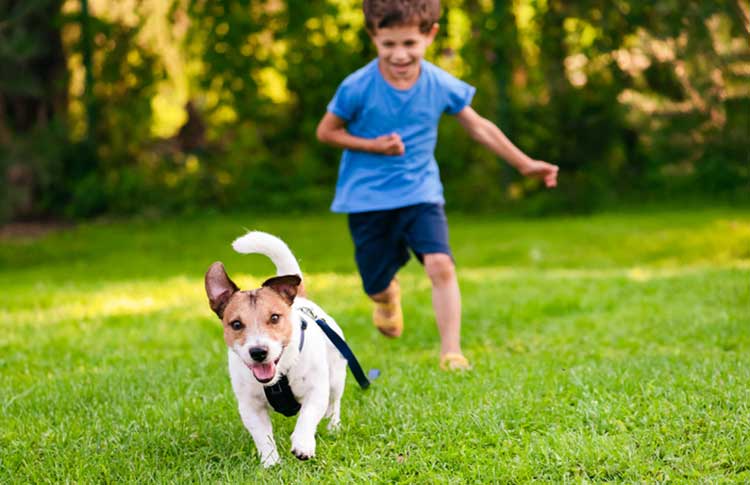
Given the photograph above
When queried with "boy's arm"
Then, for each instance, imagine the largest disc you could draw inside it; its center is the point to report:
(332, 130)
(488, 134)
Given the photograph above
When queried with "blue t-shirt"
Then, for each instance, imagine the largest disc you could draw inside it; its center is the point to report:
(372, 107)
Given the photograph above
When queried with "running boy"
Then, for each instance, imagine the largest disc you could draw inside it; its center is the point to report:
(385, 117)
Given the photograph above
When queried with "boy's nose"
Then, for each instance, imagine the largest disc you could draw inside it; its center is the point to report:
(399, 53)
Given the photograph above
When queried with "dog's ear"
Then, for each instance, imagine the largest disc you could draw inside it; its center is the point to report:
(219, 288)
(286, 286)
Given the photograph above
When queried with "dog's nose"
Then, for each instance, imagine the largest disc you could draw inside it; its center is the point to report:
(258, 354)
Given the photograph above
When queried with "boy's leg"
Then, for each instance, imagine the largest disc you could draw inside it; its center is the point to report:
(446, 301)
(380, 250)
(428, 238)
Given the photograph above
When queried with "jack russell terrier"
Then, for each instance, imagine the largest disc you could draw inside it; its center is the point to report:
(272, 350)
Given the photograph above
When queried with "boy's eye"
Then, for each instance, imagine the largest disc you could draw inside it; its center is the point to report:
(237, 325)
(388, 44)
(275, 318)
(409, 43)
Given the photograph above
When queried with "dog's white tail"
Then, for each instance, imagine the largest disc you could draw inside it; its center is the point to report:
(271, 246)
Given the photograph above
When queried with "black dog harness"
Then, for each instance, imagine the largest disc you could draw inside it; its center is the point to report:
(280, 395)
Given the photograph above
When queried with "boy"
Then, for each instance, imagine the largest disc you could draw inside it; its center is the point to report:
(385, 117)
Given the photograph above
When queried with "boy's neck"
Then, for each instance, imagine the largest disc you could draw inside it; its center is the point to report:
(401, 83)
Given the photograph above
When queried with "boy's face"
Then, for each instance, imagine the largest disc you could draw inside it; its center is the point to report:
(401, 49)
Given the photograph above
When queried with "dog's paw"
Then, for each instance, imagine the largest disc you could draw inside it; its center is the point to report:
(303, 448)
(270, 459)
(334, 424)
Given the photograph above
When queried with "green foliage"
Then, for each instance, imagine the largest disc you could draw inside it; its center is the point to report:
(126, 76)
(605, 348)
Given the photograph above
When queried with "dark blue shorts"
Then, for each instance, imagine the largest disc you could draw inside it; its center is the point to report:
(382, 240)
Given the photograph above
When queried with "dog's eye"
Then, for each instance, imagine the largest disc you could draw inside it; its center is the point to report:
(275, 318)
(237, 325)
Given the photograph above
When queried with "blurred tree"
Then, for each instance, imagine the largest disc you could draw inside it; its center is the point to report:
(695, 89)
(33, 103)
(632, 99)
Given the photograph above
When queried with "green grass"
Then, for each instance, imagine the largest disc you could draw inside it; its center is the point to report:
(614, 347)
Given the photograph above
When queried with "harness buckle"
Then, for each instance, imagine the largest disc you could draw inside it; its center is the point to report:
(308, 311)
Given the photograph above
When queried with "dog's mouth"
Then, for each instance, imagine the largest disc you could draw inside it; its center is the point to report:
(264, 372)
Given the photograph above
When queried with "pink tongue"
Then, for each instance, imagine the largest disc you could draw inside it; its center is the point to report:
(264, 372)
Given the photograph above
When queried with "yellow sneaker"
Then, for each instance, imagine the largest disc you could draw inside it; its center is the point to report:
(453, 361)
(388, 318)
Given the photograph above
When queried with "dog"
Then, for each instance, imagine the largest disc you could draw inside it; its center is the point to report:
(269, 342)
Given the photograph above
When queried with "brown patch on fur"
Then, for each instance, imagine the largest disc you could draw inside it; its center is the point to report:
(254, 309)
(286, 285)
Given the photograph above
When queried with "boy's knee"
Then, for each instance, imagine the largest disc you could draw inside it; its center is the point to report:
(440, 268)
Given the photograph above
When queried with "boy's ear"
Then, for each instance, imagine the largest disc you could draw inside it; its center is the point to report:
(219, 288)
(433, 32)
(286, 286)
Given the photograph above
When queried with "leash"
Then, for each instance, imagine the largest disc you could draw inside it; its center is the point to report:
(343, 349)
(346, 351)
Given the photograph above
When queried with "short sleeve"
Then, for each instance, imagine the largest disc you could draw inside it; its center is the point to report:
(345, 102)
(459, 94)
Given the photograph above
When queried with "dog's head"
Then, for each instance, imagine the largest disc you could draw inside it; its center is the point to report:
(258, 324)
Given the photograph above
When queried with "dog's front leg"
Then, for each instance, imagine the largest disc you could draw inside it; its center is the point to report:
(313, 408)
(258, 423)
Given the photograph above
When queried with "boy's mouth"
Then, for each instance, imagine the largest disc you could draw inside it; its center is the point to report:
(402, 67)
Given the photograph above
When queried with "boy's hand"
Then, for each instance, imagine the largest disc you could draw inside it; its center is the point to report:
(388, 145)
(542, 171)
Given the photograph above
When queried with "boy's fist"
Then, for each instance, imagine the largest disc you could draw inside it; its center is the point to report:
(543, 171)
(388, 145)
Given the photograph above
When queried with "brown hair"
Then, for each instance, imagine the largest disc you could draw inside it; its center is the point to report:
(388, 13)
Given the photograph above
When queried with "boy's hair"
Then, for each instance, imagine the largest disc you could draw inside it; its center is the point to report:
(381, 14)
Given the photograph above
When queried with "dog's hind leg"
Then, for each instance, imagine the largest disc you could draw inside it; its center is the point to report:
(338, 379)
(334, 412)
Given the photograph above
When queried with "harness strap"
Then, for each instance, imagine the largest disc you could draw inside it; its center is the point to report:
(281, 399)
(302, 334)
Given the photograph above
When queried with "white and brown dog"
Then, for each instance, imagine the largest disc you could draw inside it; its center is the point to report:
(269, 341)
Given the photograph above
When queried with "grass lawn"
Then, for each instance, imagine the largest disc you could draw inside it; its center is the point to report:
(613, 347)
